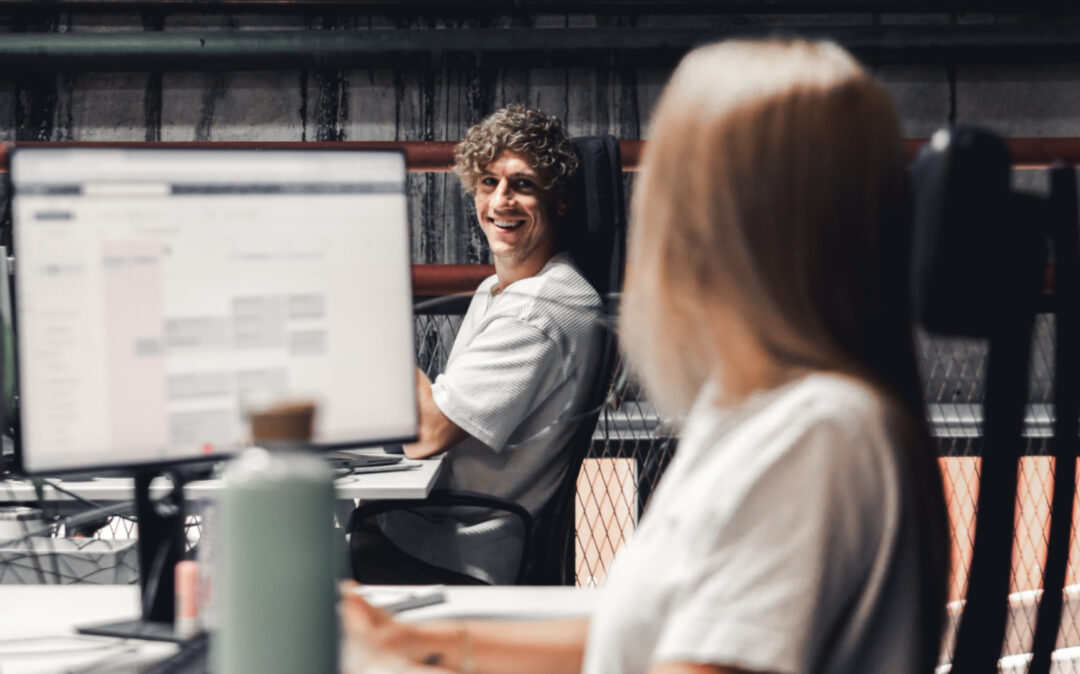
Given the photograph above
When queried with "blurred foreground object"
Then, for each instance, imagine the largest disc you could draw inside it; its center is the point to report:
(291, 422)
(278, 554)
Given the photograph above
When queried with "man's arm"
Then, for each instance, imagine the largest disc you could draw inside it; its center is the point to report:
(436, 433)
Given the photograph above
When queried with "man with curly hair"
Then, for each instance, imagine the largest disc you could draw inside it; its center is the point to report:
(517, 377)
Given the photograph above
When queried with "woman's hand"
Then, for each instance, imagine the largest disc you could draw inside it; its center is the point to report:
(376, 641)
(372, 631)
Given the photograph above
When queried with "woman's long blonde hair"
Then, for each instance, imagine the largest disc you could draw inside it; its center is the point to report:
(774, 191)
(773, 185)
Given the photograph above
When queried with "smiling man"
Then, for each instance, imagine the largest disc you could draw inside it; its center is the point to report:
(512, 392)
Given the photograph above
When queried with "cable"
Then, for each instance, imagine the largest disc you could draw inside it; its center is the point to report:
(34, 554)
(86, 516)
(86, 501)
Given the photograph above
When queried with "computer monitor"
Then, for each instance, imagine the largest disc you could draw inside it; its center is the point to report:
(163, 293)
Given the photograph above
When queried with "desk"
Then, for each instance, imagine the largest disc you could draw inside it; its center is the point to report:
(115, 561)
(43, 618)
(49, 612)
(414, 483)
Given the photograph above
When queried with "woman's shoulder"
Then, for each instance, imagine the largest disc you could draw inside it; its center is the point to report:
(835, 412)
(844, 414)
(816, 396)
(842, 426)
(829, 395)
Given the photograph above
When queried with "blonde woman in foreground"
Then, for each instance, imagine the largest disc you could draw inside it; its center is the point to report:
(801, 525)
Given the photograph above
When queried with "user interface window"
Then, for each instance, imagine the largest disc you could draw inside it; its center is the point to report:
(163, 294)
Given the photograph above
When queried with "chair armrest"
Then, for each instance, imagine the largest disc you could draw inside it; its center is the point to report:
(454, 498)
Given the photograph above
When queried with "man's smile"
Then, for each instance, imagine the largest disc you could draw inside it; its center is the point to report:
(506, 224)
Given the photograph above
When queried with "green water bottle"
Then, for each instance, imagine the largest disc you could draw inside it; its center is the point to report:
(277, 563)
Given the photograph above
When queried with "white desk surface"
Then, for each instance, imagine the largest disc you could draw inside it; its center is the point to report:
(37, 633)
(509, 602)
(37, 621)
(413, 483)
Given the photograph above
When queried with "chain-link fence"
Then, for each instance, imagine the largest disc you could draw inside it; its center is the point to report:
(954, 374)
(631, 448)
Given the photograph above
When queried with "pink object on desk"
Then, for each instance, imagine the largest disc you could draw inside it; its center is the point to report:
(187, 598)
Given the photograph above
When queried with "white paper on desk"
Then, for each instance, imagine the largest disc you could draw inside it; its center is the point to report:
(49, 655)
(397, 599)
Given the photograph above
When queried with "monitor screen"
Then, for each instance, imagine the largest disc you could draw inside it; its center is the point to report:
(164, 294)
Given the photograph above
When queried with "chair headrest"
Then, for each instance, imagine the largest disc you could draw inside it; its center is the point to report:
(973, 251)
(594, 231)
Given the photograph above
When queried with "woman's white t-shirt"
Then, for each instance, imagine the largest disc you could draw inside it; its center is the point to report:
(777, 541)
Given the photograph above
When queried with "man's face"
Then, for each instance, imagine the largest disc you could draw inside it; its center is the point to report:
(512, 208)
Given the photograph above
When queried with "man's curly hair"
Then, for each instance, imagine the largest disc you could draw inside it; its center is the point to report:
(535, 135)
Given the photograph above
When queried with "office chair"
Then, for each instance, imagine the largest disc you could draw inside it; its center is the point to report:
(599, 249)
(980, 255)
(595, 236)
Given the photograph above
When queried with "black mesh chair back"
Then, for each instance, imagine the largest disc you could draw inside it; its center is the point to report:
(596, 239)
(979, 266)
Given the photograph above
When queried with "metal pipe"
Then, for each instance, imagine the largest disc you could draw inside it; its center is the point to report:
(217, 50)
(420, 156)
(469, 8)
(438, 155)
(438, 280)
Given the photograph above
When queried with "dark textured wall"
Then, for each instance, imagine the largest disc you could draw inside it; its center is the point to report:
(438, 96)
(436, 100)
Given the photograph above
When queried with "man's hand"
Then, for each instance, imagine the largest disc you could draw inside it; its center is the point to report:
(436, 433)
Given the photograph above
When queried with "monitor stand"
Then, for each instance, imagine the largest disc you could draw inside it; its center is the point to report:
(161, 539)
